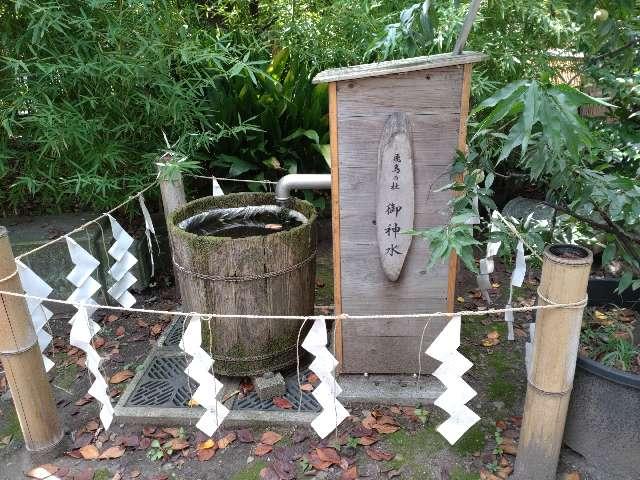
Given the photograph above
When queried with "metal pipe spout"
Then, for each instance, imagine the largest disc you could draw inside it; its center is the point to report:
(300, 181)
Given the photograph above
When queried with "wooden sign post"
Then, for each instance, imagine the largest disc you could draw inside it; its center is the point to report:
(395, 127)
(22, 361)
(565, 273)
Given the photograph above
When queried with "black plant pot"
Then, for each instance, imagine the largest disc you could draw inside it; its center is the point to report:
(603, 423)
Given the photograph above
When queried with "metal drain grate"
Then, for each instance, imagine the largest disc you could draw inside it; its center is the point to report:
(164, 384)
(173, 336)
(292, 393)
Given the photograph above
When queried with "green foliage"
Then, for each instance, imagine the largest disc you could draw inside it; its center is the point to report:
(610, 344)
(87, 90)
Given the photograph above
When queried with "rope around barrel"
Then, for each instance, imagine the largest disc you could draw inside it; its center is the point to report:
(247, 278)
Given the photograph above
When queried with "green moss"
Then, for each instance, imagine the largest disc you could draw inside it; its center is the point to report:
(459, 474)
(472, 441)
(502, 390)
(102, 474)
(252, 472)
(11, 425)
(324, 277)
(411, 448)
(66, 376)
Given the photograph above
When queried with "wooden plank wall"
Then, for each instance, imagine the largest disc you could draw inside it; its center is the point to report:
(432, 98)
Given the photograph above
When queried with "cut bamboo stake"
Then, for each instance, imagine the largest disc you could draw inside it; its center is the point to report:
(22, 361)
(172, 192)
(565, 273)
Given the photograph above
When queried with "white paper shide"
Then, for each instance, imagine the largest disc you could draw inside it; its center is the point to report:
(83, 328)
(324, 364)
(40, 315)
(119, 271)
(445, 349)
(209, 387)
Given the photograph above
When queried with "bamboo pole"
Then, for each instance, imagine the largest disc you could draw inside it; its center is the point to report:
(22, 361)
(172, 192)
(565, 273)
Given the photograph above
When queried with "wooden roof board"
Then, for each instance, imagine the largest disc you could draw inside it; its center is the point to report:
(398, 66)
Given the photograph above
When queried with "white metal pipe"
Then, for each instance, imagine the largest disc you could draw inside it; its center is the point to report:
(301, 181)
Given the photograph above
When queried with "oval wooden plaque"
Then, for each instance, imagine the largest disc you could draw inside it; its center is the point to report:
(395, 194)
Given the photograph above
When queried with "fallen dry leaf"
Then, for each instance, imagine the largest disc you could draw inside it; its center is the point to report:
(267, 473)
(92, 426)
(369, 422)
(84, 400)
(156, 329)
(121, 376)
(313, 378)
(89, 452)
(487, 475)
(509, 446)
(206, 454)
(282, 403)
(307, 387)
(245, 435)
(270, 438)
(378, 454)
(42, 472)
(504, 472)
(385, 428)
(227, 440)
(350, 474)
(173, 431)
(98, 342)
(328, 454)
(262, 449)
(571, 476)
(120, 331)
(178, 443)
(112, 452)
(209, 443)
(111, 318)
(366, 440)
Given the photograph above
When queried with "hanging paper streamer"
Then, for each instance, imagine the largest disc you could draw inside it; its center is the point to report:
(82, 331)
(149, 230)
(40, 315)
(528, 347)
(487, 265)
(209, 387)
(333, 412)
(124, 279)
(445, 349)
(216, 189)
(80, 276)
(517, 277)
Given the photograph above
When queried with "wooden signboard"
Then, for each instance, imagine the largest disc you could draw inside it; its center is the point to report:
(417, 108)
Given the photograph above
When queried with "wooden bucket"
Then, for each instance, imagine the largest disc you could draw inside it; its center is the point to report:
(263, 275)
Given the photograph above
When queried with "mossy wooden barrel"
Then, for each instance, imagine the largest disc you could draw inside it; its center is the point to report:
(265, 275)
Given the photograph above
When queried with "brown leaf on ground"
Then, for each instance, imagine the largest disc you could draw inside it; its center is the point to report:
(121, 376)
(206, 454)
(504, 472)
(492, 339)
(270, 438)
(509, 446)
(156, 329)
(262, 449)
(328, 454)
(313, 460)
(267, 473)
(227, 440)
(246, 386)
(313, 379)
(367, 440)
(132, 441)
(350, 474)
(111, 318)
(369, 422)
(148, 430)
(92, 426)
(208, 444)
(134, 473)
(378, 454)
(487, 475)
(173, 431)
(145, 443)
(86, 474)
(112, 452)
(501, 424)
(98, 342)
(42, 472)
(572, 476)
(178, 443)
(307, 387)
(84, 400)
(120, 331)
(245, 435)
(283, 403)
(385, 428)
(89, 452)
(142, 324)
